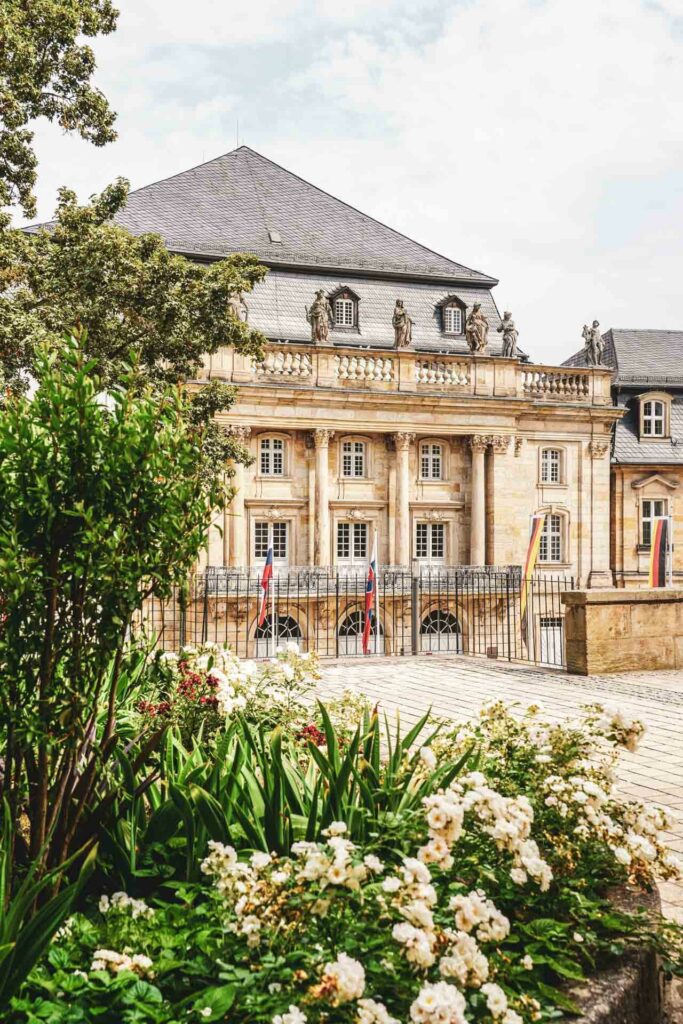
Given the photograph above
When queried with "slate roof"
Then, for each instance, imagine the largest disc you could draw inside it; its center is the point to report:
(277, 306)
(641, 357)
(234, 202)
(629, 449)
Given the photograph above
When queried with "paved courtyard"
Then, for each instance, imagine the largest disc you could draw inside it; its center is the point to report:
(455, 687)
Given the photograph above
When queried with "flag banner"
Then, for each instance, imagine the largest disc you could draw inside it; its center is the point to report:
(537, 524)
(370, 594)
(659, 552)
(265, 585)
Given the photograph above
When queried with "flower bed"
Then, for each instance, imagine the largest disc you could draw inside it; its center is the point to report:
(303, 864)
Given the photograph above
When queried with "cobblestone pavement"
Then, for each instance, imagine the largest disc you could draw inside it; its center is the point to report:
(455, 687)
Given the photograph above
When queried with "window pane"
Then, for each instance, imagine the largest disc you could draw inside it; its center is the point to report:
(551, 540)
(360, 540)
(265, 457)
(421, 540)
(438, 546)
(436, 461)
(452, 319)
(343, 540)
(343, 312)
(279, 540)
(260, 540)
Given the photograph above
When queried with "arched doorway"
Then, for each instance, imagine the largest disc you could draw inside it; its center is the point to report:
(287, 629)
(350, 635)
(440, 631)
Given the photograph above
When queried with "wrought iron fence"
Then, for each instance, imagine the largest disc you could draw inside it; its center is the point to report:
(437, 610)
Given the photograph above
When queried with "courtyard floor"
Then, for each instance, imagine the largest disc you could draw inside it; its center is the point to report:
(455, 687)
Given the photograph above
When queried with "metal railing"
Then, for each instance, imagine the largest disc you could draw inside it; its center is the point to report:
(438, 610)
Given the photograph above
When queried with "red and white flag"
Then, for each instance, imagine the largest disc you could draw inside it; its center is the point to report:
(265, 584)
(370, 597)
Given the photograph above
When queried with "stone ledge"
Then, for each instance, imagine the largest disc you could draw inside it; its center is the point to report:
(582, 598)
(630, 991)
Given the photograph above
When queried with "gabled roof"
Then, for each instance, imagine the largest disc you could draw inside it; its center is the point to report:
(242, 202)
(641, 357)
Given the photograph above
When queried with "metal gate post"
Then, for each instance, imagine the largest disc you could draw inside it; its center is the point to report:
(507, 611)
(414, 613)
(336, 614)
(205, 613)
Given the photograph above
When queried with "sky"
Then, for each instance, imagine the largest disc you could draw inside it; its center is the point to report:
(539, 141)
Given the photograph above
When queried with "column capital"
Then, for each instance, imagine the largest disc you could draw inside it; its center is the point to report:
(499, 442)
(241, 433)
(404, 439)
(598, 449)
(322, 437)
(479, 443)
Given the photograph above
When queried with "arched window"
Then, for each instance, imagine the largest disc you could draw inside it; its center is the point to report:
(287, 629)
(353, 459)
(654, 418)
(350, 635)
(431, 461)
(272, 456)
(551, 466)
(552, 542)
(452, 319)
(440, 631)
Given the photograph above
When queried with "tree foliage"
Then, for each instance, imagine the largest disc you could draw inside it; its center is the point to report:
(104, 500)
(46, 72)
(128, 291)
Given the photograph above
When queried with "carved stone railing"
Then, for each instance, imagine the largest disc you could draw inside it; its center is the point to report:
(364, 368)
(569, 385)
(442, 372)
(282, 362)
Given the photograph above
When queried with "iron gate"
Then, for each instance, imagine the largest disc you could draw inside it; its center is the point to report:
(435, 611)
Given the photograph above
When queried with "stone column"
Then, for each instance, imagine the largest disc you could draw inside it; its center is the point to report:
(235, 515)
(478, 444)
(600, 573)
(500, 534)
(404, 440)
(322, 438)
(310, 458)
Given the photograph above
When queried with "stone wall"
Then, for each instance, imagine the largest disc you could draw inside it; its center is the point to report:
(623, 630)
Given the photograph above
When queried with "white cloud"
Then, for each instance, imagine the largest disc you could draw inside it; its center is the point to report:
(538, 140)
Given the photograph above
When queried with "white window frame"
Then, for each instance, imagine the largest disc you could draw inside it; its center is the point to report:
(351, 543)
(430, 543)
(552, 547)
(281, 542)
(647, 521)
(272, 451)
(452, 316)
(353, 454)
(552, 466)
(654, 414)
(431, 460)
(344, 312)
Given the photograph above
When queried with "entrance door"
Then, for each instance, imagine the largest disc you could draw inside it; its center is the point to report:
(551, 641)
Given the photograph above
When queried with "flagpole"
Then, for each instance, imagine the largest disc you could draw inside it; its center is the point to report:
(271, 530)
(376, 595)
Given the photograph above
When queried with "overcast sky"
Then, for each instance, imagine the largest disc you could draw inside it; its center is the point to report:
(540, 141)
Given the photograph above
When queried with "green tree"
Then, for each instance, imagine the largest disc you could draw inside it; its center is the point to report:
(104, 500)
(45, 72)
(128, 291)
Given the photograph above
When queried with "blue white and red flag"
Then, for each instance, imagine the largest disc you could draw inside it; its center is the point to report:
(370, 597)
(265, 585)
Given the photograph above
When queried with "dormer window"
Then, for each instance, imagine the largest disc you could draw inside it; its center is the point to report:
(451, 310)
(344, 304)
(654, 416)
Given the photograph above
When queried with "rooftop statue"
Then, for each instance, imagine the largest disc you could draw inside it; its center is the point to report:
(477, 329)
(510, 335)
(320, 317)
(594, 345)
(238, 307)
(403, 325)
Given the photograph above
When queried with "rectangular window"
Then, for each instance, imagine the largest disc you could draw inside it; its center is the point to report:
(352, 542)
(261, 534)
(343, 312)
(272, 456)
(650, 510)
(353, 458)
(550, 549)
(430, 542)
(452, 320)
(653, 419)
(431, 461)
(550, 466)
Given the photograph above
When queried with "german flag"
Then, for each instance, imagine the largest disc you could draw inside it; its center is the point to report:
(537, 523)
(659, 550)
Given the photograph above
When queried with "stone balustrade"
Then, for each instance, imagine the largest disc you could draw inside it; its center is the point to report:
(413, 372)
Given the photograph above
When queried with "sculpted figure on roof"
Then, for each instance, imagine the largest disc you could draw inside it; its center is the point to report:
(320, 317)
(238, 307)
(477, 329)
(403, 325)
(510, 335)
(595, 346)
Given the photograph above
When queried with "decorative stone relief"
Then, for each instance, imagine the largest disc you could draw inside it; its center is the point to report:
(356, 513)
(320, 317)
(404, 439)
(594, 345)
(402, 324)
(434, 516)
(364, 368)
(598, 449)
(519, 441)
(477, 329)
(240, 433)
(479, 443)
(322, 436)
(273, 513)
(499, 442)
